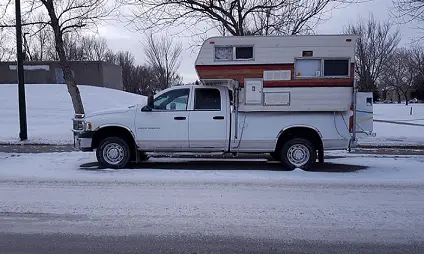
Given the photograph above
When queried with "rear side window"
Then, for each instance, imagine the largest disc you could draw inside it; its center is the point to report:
(207, 99)
(336, 67)
(244, 52)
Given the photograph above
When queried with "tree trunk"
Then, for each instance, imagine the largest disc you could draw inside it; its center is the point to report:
(68, 76)
(406, 97)
(399, 97)
(63, 62)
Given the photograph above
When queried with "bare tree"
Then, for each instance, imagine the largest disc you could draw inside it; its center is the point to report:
(41, 43)
(400, 71)
(63, 17)
(4, 47)
(377, 41)
(235, 17)
(417, 52)
(410, 10)
(164, 57)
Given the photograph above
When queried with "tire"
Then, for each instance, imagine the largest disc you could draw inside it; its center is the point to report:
(302, 149)
(113, 152)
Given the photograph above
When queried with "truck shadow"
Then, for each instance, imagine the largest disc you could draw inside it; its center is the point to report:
(232, 165)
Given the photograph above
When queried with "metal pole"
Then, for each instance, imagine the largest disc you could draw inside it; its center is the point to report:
(355, 91)
(23, 135)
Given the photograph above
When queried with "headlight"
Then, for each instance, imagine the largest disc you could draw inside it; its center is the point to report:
(78, 125)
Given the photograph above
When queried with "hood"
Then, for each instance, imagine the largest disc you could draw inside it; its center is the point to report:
(110, 111)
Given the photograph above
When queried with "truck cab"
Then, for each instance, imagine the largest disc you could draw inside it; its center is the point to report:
(179, 118)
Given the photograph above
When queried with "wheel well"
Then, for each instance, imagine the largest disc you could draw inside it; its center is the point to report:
(300, 132)
(114, 131)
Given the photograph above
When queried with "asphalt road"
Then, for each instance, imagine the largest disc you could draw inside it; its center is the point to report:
(57, 243)
(294, 216)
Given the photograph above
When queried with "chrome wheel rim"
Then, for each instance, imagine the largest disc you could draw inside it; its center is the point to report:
(113, 153)
(298, 155)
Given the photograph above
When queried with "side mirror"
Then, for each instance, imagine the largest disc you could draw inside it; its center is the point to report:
(146, 108)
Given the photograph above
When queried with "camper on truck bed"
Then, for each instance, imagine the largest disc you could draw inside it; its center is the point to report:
(290, 96)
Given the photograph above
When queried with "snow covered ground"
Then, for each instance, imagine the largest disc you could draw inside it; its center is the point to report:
(397, 134)
(50, 193)
(50, 112)
(345, 167)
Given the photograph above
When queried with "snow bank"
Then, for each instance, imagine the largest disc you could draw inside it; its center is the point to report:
(66, 167)
(50, 111)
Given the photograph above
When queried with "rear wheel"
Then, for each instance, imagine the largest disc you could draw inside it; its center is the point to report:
(298, 153)
(113, 152)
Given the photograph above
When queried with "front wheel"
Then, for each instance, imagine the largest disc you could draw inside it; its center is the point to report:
(298, 153)
(113, 152)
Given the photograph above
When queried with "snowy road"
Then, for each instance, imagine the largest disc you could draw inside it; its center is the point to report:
(380, 206)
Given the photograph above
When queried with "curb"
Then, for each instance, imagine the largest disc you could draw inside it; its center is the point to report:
(400, 147)
(33, 144)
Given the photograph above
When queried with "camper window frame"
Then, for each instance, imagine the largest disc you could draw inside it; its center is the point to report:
(234, 53)
(322, 59)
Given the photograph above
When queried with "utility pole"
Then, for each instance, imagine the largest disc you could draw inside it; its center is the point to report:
(23, 135)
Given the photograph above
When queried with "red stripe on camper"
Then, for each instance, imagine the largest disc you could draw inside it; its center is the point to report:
(310, 83)
(241, 72)
(289, 66)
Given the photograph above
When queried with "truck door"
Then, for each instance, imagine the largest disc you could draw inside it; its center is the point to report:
(209, 119)
(166, 125)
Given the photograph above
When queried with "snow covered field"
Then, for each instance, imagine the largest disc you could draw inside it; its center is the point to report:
(49, 112)
(397, 134)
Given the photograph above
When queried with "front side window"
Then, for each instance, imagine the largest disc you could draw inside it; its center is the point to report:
(207, 99)
(308, 68)
(224, 53)
(173, 100)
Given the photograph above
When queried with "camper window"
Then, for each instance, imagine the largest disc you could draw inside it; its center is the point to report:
(224, 53)
(336, 67)
(244, 53)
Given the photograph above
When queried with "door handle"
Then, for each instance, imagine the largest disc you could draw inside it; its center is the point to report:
(218, 117)
(180, 118)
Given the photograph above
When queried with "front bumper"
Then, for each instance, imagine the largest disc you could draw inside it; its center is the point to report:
(83, 141)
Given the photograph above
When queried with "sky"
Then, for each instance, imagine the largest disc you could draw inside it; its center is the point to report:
(120, 37)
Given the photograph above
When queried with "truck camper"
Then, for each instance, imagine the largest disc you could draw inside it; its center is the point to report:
(290, 96)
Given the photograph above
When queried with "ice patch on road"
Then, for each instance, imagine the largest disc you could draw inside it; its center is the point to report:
(66, 167)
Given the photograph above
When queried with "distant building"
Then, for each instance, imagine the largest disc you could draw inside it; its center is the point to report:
(94, 73)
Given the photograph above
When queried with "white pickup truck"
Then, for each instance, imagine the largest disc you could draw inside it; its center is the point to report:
(203, 119)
